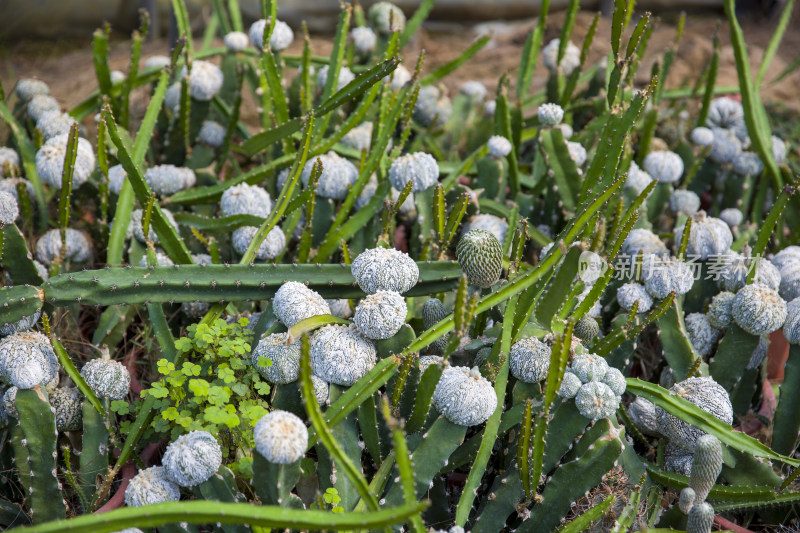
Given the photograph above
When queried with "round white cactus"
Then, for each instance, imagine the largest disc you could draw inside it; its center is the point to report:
(596, 400)
(380, 315)
(40, 104)
(151, 486)
(78, 249)
(529, 360)
(747, 164)
(631, 293)
(157, 61)
(663, 276)
(731, 216)
(18, 349)
(364, 39)
(360, 137)
(432, 108)
(399, 78)
(419, 168)
(50, 161)
(281, 38)
(116, 178)
(725, 113)
(577, 152)
(211, 133)
(285, 358)
(321, 389)
(720, 310)
(758, 309)
(384, 269)
(664, 166)
(236, 41)
(726, 146)
(778, 150)
(733, 269)
(205, 80)
(345, 76)
(338, 175)
(244, 199)
(107, 378)
(570, 61)
(270, 248)
(9, 162)
(341, 356)
(9, 209)
(294, 302)
(491, 223)
(702, 136)
(701, 333)
(67, 404)
(27, 88)
(615, 381)
(637, 179)
(137, 226)
(474, 90)
(25, 323)
(570, 385)
(644, 241)
(589, 367)
(550, 114)
(340, 307)
(281, 437)
(685, 202)
(169, 179)
(386, 18)
(192, 458)
(706, 394)
(54, 123)
(464, 397)
(499, 146)
(643, 414)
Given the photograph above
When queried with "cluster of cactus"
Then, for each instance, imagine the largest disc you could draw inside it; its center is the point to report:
(390, 307)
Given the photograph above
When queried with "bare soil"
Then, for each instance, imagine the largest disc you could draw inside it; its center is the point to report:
(67, 65)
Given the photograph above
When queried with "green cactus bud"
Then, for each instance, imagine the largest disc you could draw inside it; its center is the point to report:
(758, 309)
(706, 466)
(529, 360)
(720, 311)
(586, 328)
(480, 255)
(686, 500)
(701, 518)
(192, 458)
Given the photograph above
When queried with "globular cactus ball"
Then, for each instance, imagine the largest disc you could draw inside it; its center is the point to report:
(464, 397)
(480, 255)
(192, 458)
(281, 437)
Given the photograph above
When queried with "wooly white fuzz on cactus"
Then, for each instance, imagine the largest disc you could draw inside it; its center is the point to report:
(631, 293)
(725, 113)
(489, 108)
(364, 39)
(701, 333)
(345, 76)
(386, 18)
(338, 175)
(759, 353)
(702, 136)
(686, 499)
(586, 328)
(731, 216)
(23, 324)
(169, 179)
(589, 367)
(464, 397)
(720, 310)
(205, 80)
(577, 152)
(54, 123)
(285, 358)
(419, 168)
(27, 370)
(747, 164)
(192, 459)
(270, 248)
(529, 360)
(341, 356)
(643, 414)
(758, 309)
(295, 302)
(340, 307)
(321, 390)
(281, 437)
(499, 147)
(664, 166)
(40, 104)
(637, 179)
(27, 88)
(9, 209)
(399, 78)
(384, 269)
(137, 227)
(480, 256)
(48, 247)
(50, 161)
(708, 237)
(107, 378)
(380, 315)
(701, 518)
(706, 466)
(642, 241)
(570, 385)
(18, 349)
(432, 108)
(706, 394)
(211, 133)
(684, 202)
(236, 41)
(733, 268)
(596, 400)
(570, 61)
(244, 199)
(427, 360)
(9, 185)
(66, 403)
(725, 147)
(791, 326)
(151, 486)
(550, 114)
(663, 276)
(491, 223)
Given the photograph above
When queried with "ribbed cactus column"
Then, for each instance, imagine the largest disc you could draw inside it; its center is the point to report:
(706, 466)
(701, 518)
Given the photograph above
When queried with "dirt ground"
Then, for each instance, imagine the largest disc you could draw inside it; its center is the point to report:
(67, 66)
